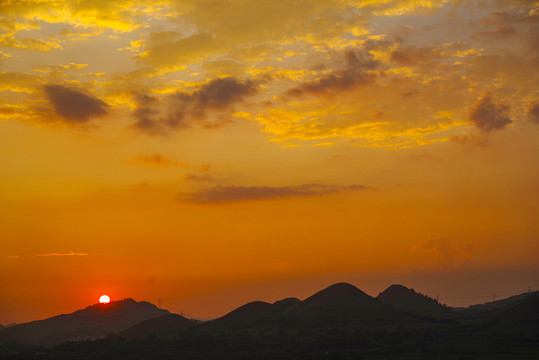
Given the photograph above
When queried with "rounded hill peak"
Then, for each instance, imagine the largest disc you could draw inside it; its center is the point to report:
(343, 287)
(287, 302)
(335, 292)
(397, 290)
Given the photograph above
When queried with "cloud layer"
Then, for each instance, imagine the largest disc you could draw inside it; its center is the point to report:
(228, 194)
(318, 71)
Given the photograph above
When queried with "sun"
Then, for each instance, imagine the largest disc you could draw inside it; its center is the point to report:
(104, 299)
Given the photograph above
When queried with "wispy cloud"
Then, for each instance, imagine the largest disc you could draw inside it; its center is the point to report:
(201, 174)
(13, 257)
(70, 253)
(199, 177)
(156, 160)
(445, 253)
(227, 194)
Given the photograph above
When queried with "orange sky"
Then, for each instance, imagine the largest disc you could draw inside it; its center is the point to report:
(213, 153)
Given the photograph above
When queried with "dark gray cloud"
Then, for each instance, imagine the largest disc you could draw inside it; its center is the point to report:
(227, 194)
(488, 116)
(533, 113)
(182, 109)
(148, 114)
(74, 106)
(355, 73)
(221, 93)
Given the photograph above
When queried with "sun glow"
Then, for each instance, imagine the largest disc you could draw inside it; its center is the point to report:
(104, 299)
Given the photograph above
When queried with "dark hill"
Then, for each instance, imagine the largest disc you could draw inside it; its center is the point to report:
(336, 293)
(344, 305)
(339, 306)
(521, 314)
(243, 317)
(94, 322)
(409, 301)
(251, 315)
(159, 325)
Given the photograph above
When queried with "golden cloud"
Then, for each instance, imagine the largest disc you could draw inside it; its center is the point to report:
(19, 82)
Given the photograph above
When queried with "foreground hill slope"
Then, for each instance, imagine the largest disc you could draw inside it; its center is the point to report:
(521, 314)
(93, 322)
(155, 326)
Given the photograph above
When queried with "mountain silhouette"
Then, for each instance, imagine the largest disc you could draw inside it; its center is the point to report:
(344, 305)
(93, 322)
(158, 325)
(336, 293)
(338, 322)
(339, 305)
(409, 301)
(252, 314)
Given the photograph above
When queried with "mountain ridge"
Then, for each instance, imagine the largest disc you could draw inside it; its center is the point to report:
(338, 306)
(93, 322)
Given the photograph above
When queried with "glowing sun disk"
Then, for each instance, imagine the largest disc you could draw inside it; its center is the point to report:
(104, 299)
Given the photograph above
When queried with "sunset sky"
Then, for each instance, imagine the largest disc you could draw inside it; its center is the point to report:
(212, 153)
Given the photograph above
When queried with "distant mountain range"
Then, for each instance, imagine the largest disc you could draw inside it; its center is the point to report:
(339, 306)
(495, 305)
